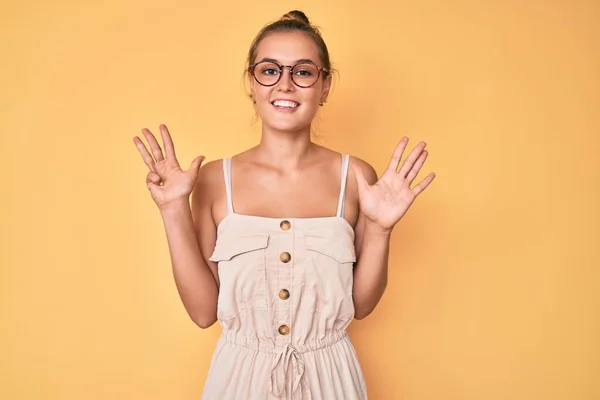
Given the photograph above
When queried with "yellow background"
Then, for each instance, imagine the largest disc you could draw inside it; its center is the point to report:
(494, 281)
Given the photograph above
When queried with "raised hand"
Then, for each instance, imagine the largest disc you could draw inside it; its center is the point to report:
(166, 180)
(386, 202)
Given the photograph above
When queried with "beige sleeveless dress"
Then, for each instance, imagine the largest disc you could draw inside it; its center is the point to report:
(285, 301)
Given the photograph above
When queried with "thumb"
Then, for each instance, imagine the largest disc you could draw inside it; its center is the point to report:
(195, 165)
(361, 181)
(153, 179)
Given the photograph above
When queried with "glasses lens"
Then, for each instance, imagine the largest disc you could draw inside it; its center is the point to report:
(266, 73)
(305, 75)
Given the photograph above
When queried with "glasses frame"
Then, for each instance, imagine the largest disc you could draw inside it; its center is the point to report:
(251, 69)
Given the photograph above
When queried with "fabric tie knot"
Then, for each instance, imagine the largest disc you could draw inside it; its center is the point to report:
(284, 359)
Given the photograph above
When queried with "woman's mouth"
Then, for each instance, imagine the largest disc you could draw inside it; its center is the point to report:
(285, 105)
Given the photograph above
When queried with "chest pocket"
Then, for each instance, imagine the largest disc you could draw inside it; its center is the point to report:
(337, 246)
(241, 261)
(329, 272)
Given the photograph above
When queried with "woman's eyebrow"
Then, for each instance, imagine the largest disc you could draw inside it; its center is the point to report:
(302, 60)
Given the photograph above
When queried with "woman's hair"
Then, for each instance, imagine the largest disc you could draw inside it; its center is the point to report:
(292, 21)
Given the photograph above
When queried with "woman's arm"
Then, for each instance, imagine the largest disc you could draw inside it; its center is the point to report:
(382, 203)
(171, 188)
(372, 250)
(191, 233)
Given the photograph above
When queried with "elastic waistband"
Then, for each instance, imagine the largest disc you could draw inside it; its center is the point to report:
(271, 346)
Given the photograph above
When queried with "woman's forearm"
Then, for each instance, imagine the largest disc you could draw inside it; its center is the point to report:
(195, 282)
(371, 271)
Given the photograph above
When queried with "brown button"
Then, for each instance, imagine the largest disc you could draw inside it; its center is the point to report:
(284, 330)
(284, 294)
(285, 257)
(285, 225)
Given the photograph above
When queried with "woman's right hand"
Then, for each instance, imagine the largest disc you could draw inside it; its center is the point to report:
(167, 182)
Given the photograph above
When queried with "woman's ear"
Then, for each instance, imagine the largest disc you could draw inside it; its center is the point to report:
(326, 88)
(251, 83)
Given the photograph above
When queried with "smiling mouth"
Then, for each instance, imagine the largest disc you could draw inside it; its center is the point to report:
(285, 104)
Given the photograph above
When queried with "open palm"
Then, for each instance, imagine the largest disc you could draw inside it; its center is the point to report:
(386, 201)
(166, 180)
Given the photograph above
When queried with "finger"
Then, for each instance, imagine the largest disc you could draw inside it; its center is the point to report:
(397, 155)
(414, 171)
(424, 183)
(411, 159)
(148, 160)
(195, 165)
(156, 150)
(167, 142)
(153, 179)
(361, 181)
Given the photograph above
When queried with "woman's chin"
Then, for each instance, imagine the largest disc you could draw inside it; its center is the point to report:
(286, 126)
(293, 122)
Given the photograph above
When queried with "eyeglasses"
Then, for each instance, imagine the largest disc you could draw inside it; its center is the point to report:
(268, 73)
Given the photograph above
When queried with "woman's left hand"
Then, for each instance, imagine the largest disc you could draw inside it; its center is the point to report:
(386, 202)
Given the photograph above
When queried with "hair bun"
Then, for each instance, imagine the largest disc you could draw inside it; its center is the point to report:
(296, 15)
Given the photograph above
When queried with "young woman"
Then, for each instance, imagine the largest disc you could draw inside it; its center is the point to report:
(287, 242)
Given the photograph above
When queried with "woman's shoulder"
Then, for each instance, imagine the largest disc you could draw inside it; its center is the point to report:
(354, 162)
(358, 164)
(210, 179)
(212, 175)
(210, 171)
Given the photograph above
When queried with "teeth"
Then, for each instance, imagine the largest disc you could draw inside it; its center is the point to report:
(285, 103)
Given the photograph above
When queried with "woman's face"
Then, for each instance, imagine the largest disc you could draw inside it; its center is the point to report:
(285, 106)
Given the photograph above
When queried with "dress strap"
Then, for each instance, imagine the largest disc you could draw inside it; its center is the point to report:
(341, 201)
(227, 177)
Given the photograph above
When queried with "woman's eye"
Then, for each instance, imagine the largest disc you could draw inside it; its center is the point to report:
(304, 72)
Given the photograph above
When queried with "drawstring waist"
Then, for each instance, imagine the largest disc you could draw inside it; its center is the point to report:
(284, 357)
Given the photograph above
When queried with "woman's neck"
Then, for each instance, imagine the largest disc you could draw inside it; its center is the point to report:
(285, 150)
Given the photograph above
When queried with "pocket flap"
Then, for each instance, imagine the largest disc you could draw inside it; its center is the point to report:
(230, 246)
(339, 247)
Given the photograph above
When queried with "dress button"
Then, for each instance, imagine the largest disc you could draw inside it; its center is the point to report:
(284, 294)
(285, 257)
(285, 225)
(284, 330)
